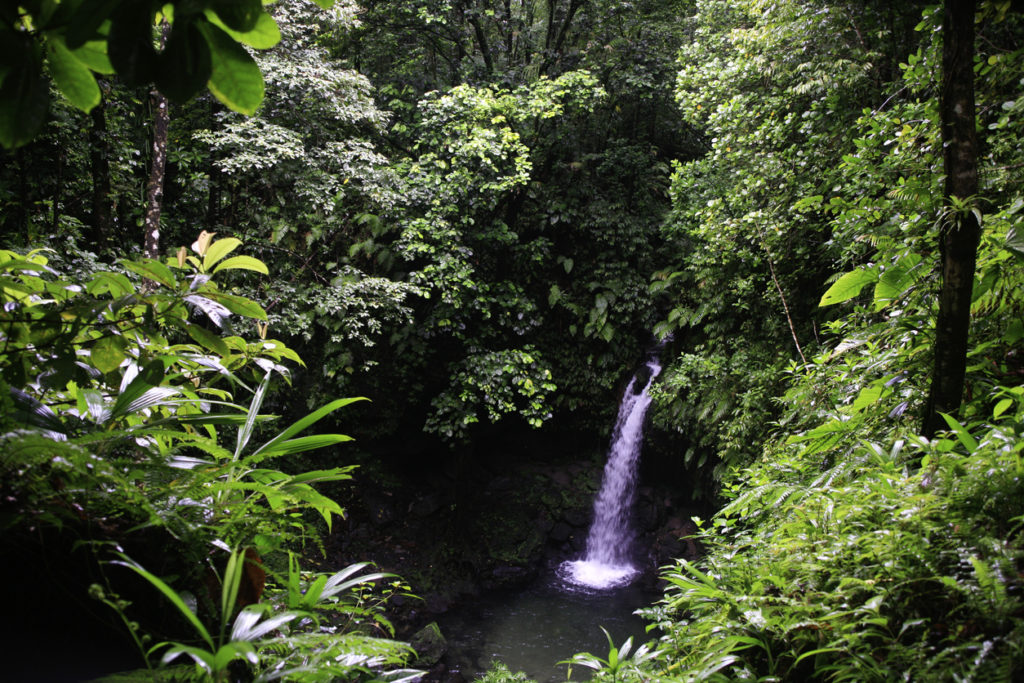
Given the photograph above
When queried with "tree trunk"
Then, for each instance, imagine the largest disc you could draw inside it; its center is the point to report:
(960, 231)
(157, 166)
(99, 152)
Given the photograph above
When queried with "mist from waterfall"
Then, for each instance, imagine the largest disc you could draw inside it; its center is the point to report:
(608, 559)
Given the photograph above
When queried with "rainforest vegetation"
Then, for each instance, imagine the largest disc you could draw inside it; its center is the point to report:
(226, 223)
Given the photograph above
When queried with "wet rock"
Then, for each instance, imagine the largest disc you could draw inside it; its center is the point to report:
(499, 484)
(379, 510)
(425, 505)
(576, 518)
(560, 532)
(430, 645)
(510, 575)
(562, 478)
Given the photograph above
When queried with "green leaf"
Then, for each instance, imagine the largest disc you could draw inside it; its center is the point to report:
(207, 339)
(185, 65)
(238, 304)
(308, 420)
(264, 35)
(895, 280)
(1015, 242)
(326, 4)
(229, 586)
(239, 15)
(152, 269)
(108, 353)
(130, 43)
(170, 594)
(94, 55)
(85, 23)
(143, 391)
(236, 79)
(117, 284)
(72, 77)
(303, 443)
(242, 263)
(24, 101)
(962, 435)
(1002, 407)
(316, 476)
(254, 408)
(848, 286)
(218, 250)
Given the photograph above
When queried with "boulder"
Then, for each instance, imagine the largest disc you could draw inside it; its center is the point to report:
(430, 645)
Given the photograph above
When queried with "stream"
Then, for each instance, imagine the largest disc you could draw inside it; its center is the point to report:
(533, 629)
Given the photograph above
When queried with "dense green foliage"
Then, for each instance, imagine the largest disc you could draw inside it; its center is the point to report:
(117, 412)
(478, 214)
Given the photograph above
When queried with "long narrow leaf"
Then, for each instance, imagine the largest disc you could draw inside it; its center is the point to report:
(229, 587)
(170, 594)
(28, 410)
(254, 408)
(306, 421)
(303, 443)
(248, 626)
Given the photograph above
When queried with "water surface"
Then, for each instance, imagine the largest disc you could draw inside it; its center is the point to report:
(532, 630)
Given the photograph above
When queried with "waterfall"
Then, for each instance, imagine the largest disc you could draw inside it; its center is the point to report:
(608, 560)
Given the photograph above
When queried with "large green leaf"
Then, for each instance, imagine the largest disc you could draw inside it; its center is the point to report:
(94, 55)
(169, 593)
(87, 20)
(848, 286)
(207, 339)
(265, 34)
(238, 15)
(218, 250)
(24, 100)
(303, 443)
(108, 353)
(185, 64)
(242, 263)
(238, 304)
(144, 391)
(72, 77)
(130, 43)
(896, 279)
(235, 79)
(305, 422)
(152, 269)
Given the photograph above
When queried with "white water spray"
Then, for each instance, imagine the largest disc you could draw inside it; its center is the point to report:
(608, 561)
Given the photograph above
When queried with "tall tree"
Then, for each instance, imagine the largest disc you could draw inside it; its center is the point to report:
(961, 228)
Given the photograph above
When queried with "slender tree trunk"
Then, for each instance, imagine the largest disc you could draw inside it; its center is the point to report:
(58, 191)
(23, 198)
(99, 153)
(157, 171)
(481, 39)
(960, 230)
(213, 170)
(157, 167)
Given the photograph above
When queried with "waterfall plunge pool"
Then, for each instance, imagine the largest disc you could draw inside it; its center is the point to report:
(532, 629)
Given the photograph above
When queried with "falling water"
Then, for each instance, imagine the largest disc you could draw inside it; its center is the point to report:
(608, 561)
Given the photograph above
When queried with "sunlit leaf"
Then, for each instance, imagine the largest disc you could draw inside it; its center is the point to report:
(242, 263)
(848, 286)
(108, 353)
(73, 78)
(235, 79)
